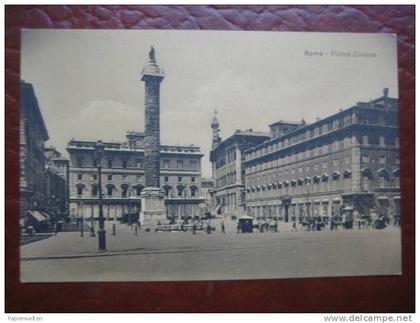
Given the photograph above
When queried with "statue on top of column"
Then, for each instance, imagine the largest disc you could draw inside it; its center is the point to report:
(152, 55)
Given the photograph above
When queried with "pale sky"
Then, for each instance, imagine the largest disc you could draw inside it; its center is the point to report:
(88, 81)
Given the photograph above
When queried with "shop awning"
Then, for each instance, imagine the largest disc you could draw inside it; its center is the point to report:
(46, 215)
(38, 216)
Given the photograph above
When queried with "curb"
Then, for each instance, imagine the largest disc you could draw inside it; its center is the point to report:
(129, 253)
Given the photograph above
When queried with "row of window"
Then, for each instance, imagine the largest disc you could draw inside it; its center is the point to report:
(334, 146)
(139, 178)
(227, 179)
(254, 185)
(362, 117)
(230, 200)
(311, 184)
(279, 162)
(226, 158)
(139, 163)
(366, 186)
(110, 190)
(231, 156)
(221, 162)
(382, 160)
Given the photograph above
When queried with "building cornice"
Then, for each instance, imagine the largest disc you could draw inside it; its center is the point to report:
(313, 140)
(227, 187)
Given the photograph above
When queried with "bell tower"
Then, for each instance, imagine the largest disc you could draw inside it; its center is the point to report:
(215, 131)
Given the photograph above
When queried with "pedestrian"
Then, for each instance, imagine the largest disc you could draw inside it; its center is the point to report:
(55, 229)
(194, 227)
(396, 220)
(30, 230)
(238, 228)
(114, 231)
(81, 227)
(294, 228)
(92, 230)
(319, 225)
(222, 225)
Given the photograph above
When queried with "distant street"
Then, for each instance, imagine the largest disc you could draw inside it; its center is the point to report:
(184, 256)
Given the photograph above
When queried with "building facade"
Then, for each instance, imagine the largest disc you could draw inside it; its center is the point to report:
(57, 175)
(227, 158)
(54, 160)
(123, 178)
(33, 135)
(349, 161)
(207, 189)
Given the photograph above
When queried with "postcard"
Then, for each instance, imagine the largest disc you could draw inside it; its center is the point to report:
(208, 155)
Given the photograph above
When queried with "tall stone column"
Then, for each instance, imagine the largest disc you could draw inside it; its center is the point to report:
(152, 197)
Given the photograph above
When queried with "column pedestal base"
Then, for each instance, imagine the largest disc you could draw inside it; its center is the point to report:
(152, 207)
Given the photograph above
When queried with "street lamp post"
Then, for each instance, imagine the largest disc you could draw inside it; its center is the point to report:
(81, 218)
(286, 200)
(99, 152)
(307, 211)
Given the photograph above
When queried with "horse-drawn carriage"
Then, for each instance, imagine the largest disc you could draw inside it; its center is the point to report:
(380, 221)
(266, 226)
(312, 223)
(179, 227)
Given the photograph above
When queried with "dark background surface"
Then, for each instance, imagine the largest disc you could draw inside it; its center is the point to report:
(349, 294)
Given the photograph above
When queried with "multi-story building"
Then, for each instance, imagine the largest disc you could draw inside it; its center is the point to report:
(228, 170)
(123, 178)
(55, 160)
(348, 160)
(57, 174)
(207, 189)
(33, 135)
(56, 201)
